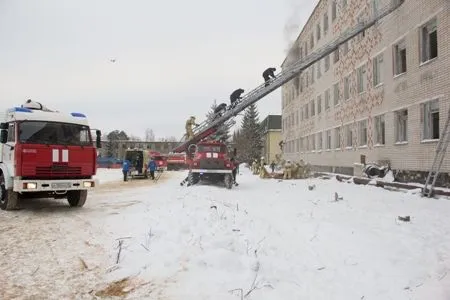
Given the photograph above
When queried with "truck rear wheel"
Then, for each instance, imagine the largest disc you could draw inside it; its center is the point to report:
(9, 200)
(77, 198)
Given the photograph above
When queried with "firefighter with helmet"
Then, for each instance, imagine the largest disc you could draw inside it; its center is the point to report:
(189, 123)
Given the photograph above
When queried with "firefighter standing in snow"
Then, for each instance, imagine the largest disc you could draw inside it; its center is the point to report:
(287, 170)
(189, 123)
(267, 74)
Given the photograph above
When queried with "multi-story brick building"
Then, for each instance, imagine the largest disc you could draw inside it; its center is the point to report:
(384, 94)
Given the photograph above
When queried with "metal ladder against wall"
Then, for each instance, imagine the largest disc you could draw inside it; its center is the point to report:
(441, 149)
(289, 73)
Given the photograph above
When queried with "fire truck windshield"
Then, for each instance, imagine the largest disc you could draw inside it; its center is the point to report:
(211, 148)
(55, 133)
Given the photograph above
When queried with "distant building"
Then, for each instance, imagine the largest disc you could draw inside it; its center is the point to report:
(271, 129)
(384, 94)
(120, 147)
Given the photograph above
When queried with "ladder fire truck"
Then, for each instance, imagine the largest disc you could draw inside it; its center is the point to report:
(208, 127)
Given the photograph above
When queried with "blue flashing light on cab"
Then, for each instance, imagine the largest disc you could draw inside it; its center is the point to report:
(78, 115)
(20, 109)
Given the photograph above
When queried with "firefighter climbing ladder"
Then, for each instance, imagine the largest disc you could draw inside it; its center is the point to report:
(207, 128)
(441, 150)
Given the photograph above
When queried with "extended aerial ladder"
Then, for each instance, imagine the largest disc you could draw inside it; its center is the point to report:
(206, 128)
(441, 149)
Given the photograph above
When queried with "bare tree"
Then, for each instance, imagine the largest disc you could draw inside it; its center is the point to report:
(149, 135)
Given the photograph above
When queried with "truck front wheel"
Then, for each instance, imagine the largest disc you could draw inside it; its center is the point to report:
(77, 198)
(9, 200)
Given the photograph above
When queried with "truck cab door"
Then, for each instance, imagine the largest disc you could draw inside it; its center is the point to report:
(7, 148)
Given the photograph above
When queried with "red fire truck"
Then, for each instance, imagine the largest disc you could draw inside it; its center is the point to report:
(45, 154)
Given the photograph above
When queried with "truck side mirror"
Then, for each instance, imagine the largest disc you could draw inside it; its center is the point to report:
(3, 136)
(98, 141)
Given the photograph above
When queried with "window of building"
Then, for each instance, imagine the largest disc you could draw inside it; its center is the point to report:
(348, 136)
(401, 125)
(361, 36)
(311, 41)
(428, 41)
(327, 99)
(312, 139)
(380, 130)
(328, 139)
(336, 55)
(375, 7)
(429, 118)
(302, 82)
(347, 88)
(306, 48)
(319, 69)
(336, 93)
(400, 58)
(319, 104)
(333, 10)
(319, 141)
(318, 32)
(296, 118)
(377, 70)
(361, 79)
(344, 48)
(312, 74)
(344, 3)
(308, 147)
(306, 111)
(362, 126)
(337, 138)
(325, 23)
(327, 63)
(313, 107)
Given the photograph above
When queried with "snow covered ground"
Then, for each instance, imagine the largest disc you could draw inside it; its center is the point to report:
(265, 238)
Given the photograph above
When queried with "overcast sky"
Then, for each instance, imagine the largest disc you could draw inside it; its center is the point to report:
(173, 58)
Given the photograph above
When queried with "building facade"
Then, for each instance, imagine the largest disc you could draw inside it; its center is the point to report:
(271, 135)
(384, 94)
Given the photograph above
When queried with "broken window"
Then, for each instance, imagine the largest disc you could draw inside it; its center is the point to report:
(362, 79)
(401, 125)
(347, 88)
(380, 130)
(348, 136)
(428, 41)
(429, 118)
(318, 32)
(336, 93)
(319, 104)
(337, 138)
(400, 58)
(336, 55)
(328, 135)
(319, 141)
(333, 10)
(327, 63)
(363, 133)
(377, 70)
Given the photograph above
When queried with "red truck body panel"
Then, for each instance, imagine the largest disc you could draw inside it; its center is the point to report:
(55, 161)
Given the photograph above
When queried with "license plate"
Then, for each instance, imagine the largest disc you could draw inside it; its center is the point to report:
(61, 185)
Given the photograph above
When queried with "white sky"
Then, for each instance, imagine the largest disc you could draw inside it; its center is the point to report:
(173, 57)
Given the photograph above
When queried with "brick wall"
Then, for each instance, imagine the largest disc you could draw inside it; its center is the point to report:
(420, 83)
